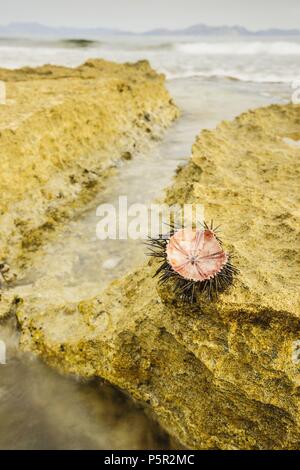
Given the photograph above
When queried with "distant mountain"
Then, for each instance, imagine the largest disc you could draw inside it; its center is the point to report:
(40, 30)
(202, 30)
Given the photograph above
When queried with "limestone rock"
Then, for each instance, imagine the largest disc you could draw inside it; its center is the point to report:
(8, 304)
(224, 374)
(62, 130)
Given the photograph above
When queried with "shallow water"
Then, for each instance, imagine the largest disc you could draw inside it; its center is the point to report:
(40, 409)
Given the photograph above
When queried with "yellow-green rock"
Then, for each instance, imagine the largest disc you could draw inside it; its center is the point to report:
(61, 132)
(225, 374)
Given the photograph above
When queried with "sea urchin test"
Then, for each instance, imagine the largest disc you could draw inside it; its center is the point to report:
(194, 260)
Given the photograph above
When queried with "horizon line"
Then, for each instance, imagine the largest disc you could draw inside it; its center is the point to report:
(157, 28)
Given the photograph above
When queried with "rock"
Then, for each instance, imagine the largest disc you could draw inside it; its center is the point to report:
(127, 156)
(8, 304)
(224, 374)
(4, 269)
(61, 132)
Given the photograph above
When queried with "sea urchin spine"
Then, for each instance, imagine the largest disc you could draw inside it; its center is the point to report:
(194, 260)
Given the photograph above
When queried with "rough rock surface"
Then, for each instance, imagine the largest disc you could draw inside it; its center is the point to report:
(61, 132)
(224, 374)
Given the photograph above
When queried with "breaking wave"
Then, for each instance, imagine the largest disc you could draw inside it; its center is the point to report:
(240, 48)
(231, 75)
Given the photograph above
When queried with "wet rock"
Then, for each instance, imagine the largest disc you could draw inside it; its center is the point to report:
(8, 305)
(4, 269)
(223, 374)
(62, 130)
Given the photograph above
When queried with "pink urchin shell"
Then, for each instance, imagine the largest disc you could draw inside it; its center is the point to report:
(195, 254)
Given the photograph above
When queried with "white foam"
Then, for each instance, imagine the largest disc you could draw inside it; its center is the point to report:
(240, 48)
(248, 60)
(231, 74)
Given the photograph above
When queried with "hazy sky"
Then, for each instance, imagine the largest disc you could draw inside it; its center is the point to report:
(139, 15)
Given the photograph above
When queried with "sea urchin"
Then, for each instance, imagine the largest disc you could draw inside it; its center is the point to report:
(194, 260)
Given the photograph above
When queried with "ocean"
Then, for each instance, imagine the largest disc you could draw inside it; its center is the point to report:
(250, 59)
